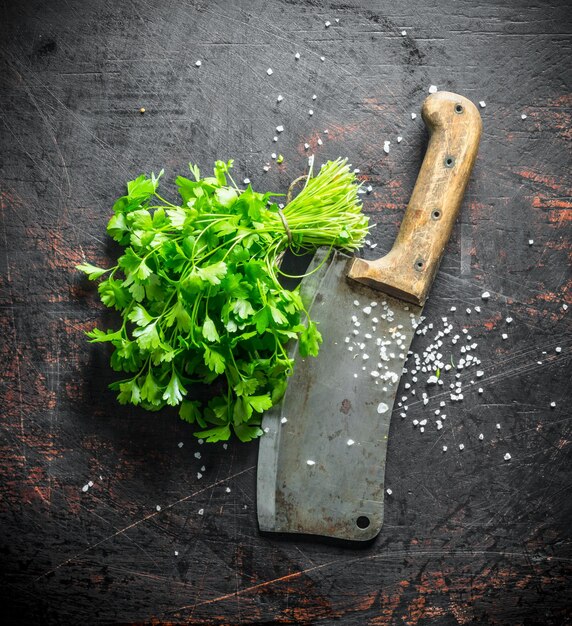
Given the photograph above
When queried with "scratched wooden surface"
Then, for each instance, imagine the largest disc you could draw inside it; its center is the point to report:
(468, 537)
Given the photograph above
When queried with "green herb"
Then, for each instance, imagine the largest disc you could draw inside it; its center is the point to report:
(198, 292)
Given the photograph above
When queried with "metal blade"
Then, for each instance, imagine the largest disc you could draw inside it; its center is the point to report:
(311, 478)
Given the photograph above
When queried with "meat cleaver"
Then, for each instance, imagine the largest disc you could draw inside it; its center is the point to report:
(321, 462)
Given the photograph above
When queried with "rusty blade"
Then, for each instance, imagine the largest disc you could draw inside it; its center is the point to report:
(321, 462)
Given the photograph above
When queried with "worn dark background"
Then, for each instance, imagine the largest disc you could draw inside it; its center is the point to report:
(468, 537)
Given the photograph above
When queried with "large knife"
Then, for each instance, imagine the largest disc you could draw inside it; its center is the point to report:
(321, 462)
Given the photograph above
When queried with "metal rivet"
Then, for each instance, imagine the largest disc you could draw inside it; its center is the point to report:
(449, 161)
(459, 108)
(362, 522)
(436, 214)
(419, 265)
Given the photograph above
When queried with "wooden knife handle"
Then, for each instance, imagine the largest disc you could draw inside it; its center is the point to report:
(408, 270)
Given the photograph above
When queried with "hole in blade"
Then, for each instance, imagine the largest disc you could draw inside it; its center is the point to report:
(362, 522)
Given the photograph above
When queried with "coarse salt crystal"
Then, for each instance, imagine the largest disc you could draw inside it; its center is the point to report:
(327, 24)
(479, 373)
(280, 128)
(523, 116)
(399, 139)
(246, 181)
(199, 475)
(310, 462)
(306, 146)
(558, 349)
(314, 97)
(320, 142)
(507, 456)
(498, 426)
(176, 553)
(322, 59)
(481, 436)
(413, 116)
(266, 168)
(552, 405)
(403, 33)
(433, 89)
(227, 489)
(444, 448)
(350, 442)
(382, 408)
(386, 146)
(280, 98)
(311, 112)
(270, 71)
(201, 511)
(85, 488)
(158, 508)
(198, 63)
(504, 336)
(485, 295)
(273, 155)
(482, 104)
(275, 139)
(388, 491)
(297, 56)
(367, 310)
(461, 446)
(197, 455)
(283, 420)
(530, 242)
(480, 390)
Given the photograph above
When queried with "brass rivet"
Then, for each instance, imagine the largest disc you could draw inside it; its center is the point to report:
(459, 108)
(436, 214)
(449, 161)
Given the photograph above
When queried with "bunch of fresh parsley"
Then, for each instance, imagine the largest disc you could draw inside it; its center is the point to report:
(198, 292)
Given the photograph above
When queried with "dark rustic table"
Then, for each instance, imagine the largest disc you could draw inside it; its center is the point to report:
(469, 538)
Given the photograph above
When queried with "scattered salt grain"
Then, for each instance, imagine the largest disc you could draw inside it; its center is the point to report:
(350, 442)
(461, 446)
(227, 489)
(480, 390)
(275, 139)
(280, 128)
(327, 24)
(399, 139)
(482, 104)
(85, 488)
(485, 295)
(266, 168)
(176, 553)
(498, 426)
(507, 456)
(320, 142)
(198, 63)
(322, 59)
(388, 491)
(283, 420)
(306, 146)
(246, 181)
(310, 462)
(504, 336)
(523, 116)
(297, 56)
(433, 89)
(356, 302)
(270, 71)
(481, 437)
(197, 455)
(201, 511)
(314, 97)
(552, 405)
(444, 448)
(386, 146)
(279, 98)
(479, 373)
(413, 116)
(158, 508)
(403, 33)
(382, 408)
(311, 112)
(558, 349)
